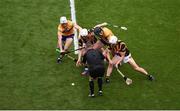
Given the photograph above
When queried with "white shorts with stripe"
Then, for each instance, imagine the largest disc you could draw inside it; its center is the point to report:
(126, 59)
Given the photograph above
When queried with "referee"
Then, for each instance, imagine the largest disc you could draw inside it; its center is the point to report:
(95, 62)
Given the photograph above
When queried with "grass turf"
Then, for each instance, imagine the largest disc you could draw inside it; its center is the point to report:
(31, 79)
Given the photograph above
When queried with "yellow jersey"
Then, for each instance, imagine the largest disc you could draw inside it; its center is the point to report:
(66, 30)
(107, 33)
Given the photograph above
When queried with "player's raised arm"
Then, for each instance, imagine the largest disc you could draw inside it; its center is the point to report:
(77, 27)
(101, 25)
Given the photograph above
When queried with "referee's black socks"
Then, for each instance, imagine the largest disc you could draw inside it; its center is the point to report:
(100, 82)
(91, 86)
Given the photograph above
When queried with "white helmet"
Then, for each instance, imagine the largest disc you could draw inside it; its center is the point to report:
(113, 39)
(63, 20)
(84, 32)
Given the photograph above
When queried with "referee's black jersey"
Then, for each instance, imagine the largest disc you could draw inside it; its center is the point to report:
(94, 57)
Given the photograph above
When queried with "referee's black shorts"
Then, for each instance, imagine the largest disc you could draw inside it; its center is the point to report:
(97, 71)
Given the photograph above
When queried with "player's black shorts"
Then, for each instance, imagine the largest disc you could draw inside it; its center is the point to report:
(97, 71)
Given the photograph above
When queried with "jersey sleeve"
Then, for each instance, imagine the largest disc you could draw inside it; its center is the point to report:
(59, 30)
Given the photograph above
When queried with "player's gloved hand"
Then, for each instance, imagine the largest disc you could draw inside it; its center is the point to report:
(65, 52)
(62, 52)
(78, 63)
(117, 65)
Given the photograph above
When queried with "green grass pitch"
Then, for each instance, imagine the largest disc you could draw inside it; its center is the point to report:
(30, 78)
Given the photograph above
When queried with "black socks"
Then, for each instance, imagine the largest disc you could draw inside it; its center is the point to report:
(91, 86)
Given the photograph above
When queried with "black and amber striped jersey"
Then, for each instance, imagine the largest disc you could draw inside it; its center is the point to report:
(119, 47)
(88, 40)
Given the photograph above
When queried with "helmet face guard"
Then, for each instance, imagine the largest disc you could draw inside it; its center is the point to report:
(84, 38)
(63, 20)
(98, 31)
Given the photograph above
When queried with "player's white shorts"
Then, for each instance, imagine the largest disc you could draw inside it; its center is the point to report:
(126, 59)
